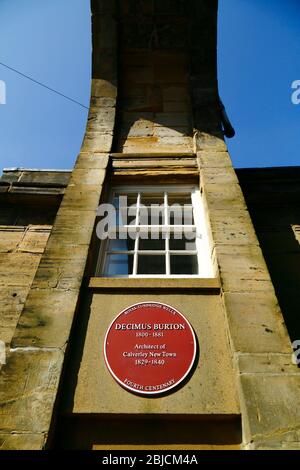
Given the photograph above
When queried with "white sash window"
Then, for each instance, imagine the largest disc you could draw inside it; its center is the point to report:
(153, 231)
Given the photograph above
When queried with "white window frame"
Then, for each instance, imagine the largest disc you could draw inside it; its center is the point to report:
(203, 249)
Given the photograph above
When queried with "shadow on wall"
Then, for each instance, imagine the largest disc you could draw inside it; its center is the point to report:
(273, 197)
(166, 88)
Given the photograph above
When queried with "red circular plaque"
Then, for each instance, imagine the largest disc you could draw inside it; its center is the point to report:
(150, 348)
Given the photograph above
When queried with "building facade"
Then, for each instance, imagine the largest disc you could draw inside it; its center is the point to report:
(155, 136)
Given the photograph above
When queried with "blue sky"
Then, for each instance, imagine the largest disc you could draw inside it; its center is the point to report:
(258, 59)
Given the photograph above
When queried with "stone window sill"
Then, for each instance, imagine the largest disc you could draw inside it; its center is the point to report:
(211, 284)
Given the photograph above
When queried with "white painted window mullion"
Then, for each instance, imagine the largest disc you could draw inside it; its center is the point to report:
(167, 244)
(137, 239)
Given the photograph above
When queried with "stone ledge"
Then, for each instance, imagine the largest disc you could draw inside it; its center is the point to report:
(22, 441)
(212, 284)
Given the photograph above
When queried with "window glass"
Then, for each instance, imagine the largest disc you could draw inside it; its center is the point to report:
(184, 264)
(151, 264)
(182, 241)
(118, 265)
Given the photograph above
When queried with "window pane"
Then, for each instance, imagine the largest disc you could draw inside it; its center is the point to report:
(181, 241)
(188, 215)
(117, 265)
(147, 199)
(123, 199)
(153, 215)
(150, 241)
(126, 216)
(151, 264)
(179, 198)
(184, 264)
(121, 245)
(181, 215)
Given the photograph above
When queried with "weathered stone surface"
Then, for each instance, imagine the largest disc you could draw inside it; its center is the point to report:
(61, 268)
(87, 177)
(90, 161)
(12, 301)
(97, 142)
(271, 410)
(10, 237)
(17, 269)
(213, 159)
(28, 385)
(74, 227)
(268, 363)
(206, 141)
(232, 228)
(101, 119)
(56, 178)
(23, 441)
(103, 89)
(242, 268)
(255, 323)
(81, 197)
(35, 239)
(223, 196)
(225, 175)
(46, 318)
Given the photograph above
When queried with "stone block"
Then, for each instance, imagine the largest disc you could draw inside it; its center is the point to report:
(47, 318)
(270, 406)
(233, 228)
(28, 387)
(24, 441)
(223, 196)
(88, 176)
(12, 301)
(267, 363)
(91, 161)
(206, 141)
(105, 27)
(10, 237)
(101, 120)
(175, 94)
(213, 159)
(57, 178)
(61, 266)
(97, 142)
(69, 221)
(176, 107)
(255, 323)
(81, 196)
(139, 74)
(173, 119)
(224, 175)
(182, 143)
(140, 128)
(17, 269)
(176, 133)
(35, 239)
(103, 89)
(242, 268)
